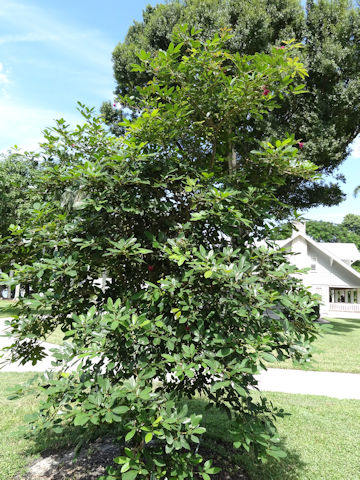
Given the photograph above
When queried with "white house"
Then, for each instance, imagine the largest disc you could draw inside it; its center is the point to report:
(330, 273)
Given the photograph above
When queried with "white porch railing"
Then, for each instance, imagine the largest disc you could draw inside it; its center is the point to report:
(344, 307)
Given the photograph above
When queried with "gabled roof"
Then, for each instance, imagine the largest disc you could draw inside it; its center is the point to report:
(345, 251)
(320, 246)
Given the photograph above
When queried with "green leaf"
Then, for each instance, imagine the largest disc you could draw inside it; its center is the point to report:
(148, 437)
(130, 475)
(268, 357)
(121, 409)
(208, 273)
(130, 435)
(241, 391)
(199, 430)
(81, 419)
(168, 357)
(213, 470)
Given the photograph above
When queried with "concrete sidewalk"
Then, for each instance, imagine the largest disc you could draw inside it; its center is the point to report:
(329, 384)
(41, 366)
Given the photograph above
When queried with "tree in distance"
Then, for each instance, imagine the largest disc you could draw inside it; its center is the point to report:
(325, 120)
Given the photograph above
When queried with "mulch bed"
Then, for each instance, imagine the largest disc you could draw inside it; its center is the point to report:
(93, 460)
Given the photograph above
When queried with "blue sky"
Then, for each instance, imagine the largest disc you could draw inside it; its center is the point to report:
(53, 54)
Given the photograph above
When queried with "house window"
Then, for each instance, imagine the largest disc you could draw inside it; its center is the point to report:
(313, 263)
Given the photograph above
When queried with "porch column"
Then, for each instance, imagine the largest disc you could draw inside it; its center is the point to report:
(352, 295)
(17, 292)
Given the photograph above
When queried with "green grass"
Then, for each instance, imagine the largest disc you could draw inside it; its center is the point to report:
(12, 443)
(337, 350)
(7, 308)
(56, 337)
(321, 437)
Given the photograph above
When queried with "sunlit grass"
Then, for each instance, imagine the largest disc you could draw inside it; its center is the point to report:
(321, 436)
(7, 308)
(337, 350)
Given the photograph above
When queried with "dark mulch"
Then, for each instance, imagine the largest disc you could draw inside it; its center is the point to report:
(93, 460)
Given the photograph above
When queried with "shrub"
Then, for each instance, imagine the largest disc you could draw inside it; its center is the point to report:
(189, 304)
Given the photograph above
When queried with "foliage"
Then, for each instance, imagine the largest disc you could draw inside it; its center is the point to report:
(322, 231)
(352, 223)
(335, 350)
(319, 436)
(17, 194)
(17, 174)
(191, 304)
(326, 119)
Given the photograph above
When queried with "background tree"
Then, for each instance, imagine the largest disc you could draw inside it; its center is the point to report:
(352, 223)
(191, 304)
(17, 196)
(326, 120)
(17, 174)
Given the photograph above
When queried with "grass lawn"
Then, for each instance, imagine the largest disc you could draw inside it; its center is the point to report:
(7, 308)
(13, 447)
(322, 436)
(337, 350)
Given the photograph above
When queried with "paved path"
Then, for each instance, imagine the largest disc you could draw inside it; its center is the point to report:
(330, 384)
(45, 364)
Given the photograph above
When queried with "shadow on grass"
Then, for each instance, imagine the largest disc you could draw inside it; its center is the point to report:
(8, 310)
(215, 444)
(345, 325)
(218, 440)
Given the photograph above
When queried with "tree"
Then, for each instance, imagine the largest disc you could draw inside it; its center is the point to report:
(352, 223)
(326, 119)
(16, 179)
(17, 195)
(191, 304)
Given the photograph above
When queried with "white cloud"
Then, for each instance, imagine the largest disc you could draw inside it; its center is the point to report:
(71, 60)
(22, 125)
(331, 216)
(4, 78)
(355, 148)
(29, 23)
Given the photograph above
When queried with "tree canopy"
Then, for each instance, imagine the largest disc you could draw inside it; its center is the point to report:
(325, 120)
(17, 174)
(190, 303)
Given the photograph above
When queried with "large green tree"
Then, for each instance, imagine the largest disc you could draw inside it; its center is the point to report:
(192, 304)
(327, 119)
(17, 196)
(352, 223)
(17, 174)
